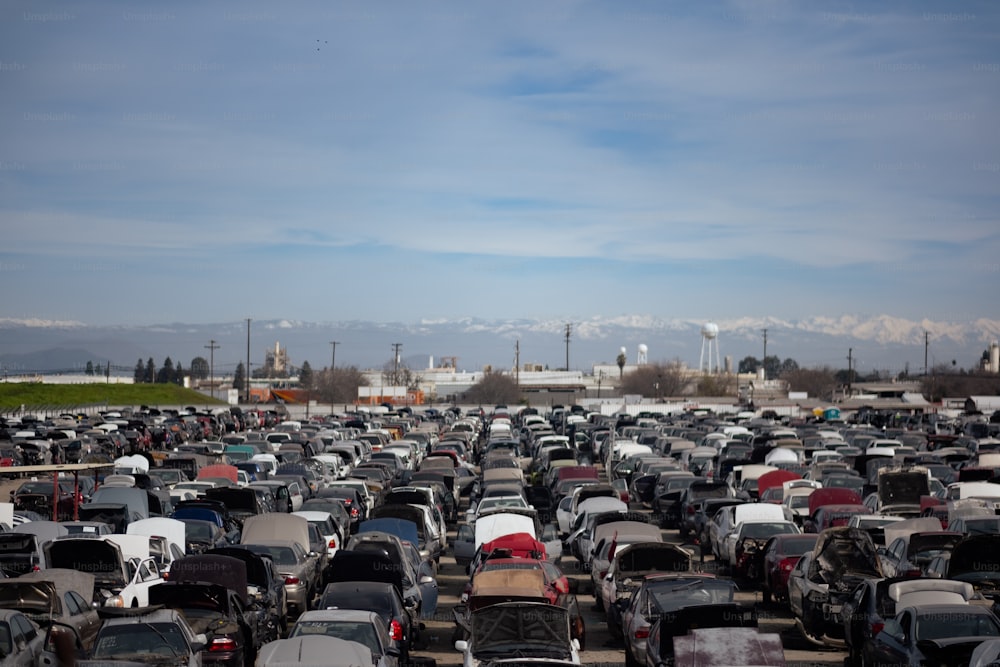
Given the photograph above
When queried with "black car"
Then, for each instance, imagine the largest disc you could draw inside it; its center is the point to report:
(865, 611)
(932, 634)
(265, 591)
(382, 598)
(352, 501)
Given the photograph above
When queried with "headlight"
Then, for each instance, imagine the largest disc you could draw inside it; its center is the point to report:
(115, 601)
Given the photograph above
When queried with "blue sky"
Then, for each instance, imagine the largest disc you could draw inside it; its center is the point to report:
(397, 161)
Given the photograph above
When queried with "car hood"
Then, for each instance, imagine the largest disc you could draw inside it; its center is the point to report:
(652, 557)
(276, 527)
(221, 570)
(976, 558)
(181, 595)
(846, 551)
(98, 557)
(524, 628)
(43, 590)
(315, 650)
(902, 488)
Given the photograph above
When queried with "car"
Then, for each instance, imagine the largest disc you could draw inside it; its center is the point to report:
(297, 570)
(748, 539)
(823, 579)
(418, 575)
(212, 592)
(150, 637)
(381, 598)
(526, 631)
(364, 627)
(630, 563)
(662, 594)
(265, 591)
(55, 595)
(777, 559)
(309, 650)
(874, 600)
(21, 640)
(931, 634)
(122, 567)
(910, 554)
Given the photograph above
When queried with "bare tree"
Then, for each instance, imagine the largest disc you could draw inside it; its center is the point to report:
(816, 382)
(338, 385)
(659, 380)
(493, 389)
(716, 385)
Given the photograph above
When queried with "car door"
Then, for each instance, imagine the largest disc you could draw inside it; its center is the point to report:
(796, 585)
(85, 618)
(26, 641)
(147, 575)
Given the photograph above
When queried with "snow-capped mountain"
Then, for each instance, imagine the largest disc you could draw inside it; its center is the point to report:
(880, 342)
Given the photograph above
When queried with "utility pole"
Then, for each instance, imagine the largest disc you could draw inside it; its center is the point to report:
(926, 346)
(248, 361)
(395, 363)
(211, 347)
(517, 362)
(850, 369)
(569, 333)
(333, 360)
(763, 362)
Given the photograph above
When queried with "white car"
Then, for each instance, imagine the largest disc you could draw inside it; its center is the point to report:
(122, 566)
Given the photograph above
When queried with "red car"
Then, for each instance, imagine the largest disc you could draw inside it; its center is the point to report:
(778, 558)
(556, 583)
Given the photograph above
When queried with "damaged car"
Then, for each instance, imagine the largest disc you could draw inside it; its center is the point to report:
(824, 579)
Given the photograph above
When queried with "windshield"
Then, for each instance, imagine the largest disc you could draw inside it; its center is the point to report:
(943, 626)
(357, 631)
(280, 555)
(140, 639)
(672, 595)
(757, 531)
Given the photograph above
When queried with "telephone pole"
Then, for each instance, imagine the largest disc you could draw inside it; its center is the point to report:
(248, 361)
(211, 347)
(569, 333)
(333, 360)
(395, 363)
(517, 362)
(850, 369)
(926, 346)
(763, 363)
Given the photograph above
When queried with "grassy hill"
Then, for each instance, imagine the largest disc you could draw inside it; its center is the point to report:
(35, 395)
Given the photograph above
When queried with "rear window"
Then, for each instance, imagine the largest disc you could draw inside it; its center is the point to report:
(376, 601)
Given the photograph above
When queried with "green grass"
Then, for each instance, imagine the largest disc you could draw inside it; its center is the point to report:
(38, 395)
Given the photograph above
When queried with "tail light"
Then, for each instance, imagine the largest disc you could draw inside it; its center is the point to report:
(912, 572)
(396, 631)
(333, 543)
(877, 627)
(642, 633)
(291, 581)
(691, 509)
(223, 644)
(602, 573)
(354, 511)
(788, 564)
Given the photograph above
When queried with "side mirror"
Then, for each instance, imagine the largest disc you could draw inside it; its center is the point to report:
(426, 579)
(461, 645)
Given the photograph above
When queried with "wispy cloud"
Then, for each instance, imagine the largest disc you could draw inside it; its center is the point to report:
(566, 153)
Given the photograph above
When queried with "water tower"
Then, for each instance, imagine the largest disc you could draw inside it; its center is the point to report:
(709, 340)
(643, 356)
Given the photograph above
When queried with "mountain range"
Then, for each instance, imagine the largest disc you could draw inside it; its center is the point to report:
(876, 343)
